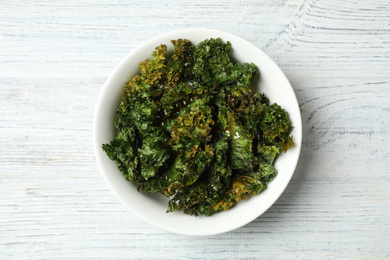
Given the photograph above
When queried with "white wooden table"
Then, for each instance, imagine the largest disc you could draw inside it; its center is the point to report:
(54, 59)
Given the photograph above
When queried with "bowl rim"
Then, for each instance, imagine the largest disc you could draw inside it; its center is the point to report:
(100, 104)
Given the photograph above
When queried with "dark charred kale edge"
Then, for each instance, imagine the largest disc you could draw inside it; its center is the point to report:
(190, 128)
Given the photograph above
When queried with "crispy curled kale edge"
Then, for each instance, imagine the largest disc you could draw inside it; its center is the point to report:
(189, 128)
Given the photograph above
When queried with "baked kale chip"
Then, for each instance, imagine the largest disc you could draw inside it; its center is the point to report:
(189, 128)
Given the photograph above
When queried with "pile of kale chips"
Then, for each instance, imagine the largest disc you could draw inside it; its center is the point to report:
(189, 127)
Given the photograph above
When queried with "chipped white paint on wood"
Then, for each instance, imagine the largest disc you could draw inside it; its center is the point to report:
(54, 59)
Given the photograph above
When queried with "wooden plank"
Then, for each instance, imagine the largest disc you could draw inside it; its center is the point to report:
(54, 59)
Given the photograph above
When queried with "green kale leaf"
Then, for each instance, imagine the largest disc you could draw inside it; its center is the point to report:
(189, 128)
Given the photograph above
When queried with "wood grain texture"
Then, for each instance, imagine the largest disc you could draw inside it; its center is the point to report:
(54, 59)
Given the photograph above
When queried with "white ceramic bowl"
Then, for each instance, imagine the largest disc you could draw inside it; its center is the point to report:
(152, 207)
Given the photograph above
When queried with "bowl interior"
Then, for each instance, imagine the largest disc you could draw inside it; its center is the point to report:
(152, 207)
